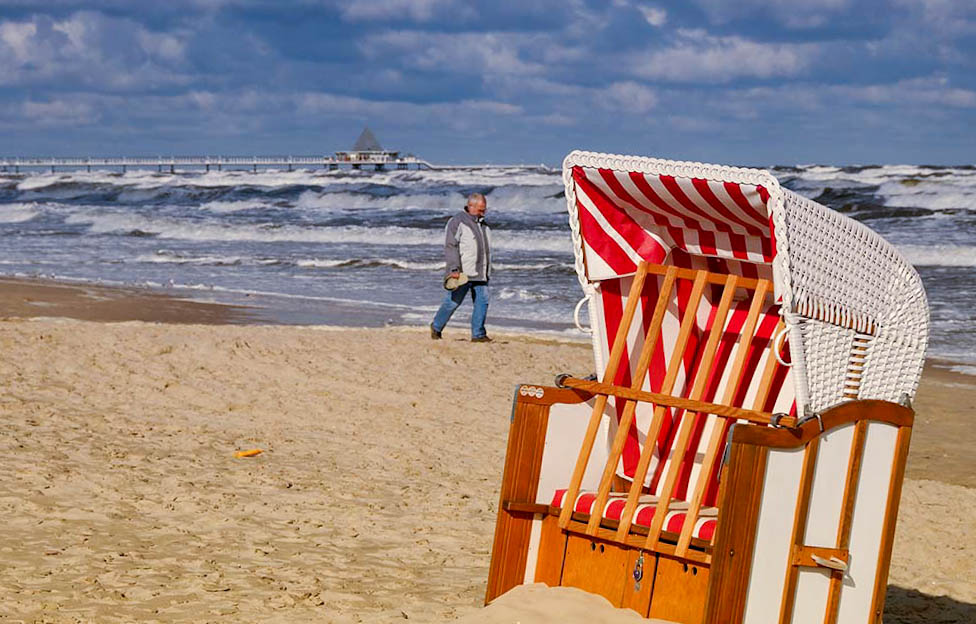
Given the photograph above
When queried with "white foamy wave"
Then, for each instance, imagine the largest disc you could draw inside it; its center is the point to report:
(837, 176)
(929, 195)
(102, 223)
(164, 257)
(521, 294)
(328, 202)
(149, 178)
(18, 212)
(316, 263)
(223, 207)
(502, 200)
(940, 255)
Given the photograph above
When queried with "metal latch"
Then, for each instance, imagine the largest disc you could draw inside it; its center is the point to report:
(638, 572)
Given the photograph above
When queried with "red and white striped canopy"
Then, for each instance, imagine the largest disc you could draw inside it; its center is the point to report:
(628, 211)
(629, 216)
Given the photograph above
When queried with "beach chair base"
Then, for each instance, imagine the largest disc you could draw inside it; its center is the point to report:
(773, 564)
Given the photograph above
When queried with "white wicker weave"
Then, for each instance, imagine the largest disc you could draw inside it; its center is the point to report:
(855, 309)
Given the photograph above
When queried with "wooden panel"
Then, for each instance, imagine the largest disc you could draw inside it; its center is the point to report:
(868, 409)
(888, 530)
(523, 459)
(742, 485)
(846, 516)
(679, 591)
(799, 527)
(596, 566)
(552, 550)
(637, 536)
(639, 599)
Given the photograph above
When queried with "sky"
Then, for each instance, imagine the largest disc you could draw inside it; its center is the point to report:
(750, 82)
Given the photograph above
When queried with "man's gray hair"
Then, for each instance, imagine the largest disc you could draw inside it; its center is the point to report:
(476, 197)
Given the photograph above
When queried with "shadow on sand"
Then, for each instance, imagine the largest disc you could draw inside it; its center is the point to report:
(910, 606)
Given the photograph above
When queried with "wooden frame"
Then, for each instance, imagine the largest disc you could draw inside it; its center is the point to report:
(726, 561)
(772, 494)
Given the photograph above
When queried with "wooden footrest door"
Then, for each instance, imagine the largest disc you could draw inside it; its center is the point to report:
(607, 569)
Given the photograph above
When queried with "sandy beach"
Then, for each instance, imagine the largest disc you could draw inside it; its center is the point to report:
(374, 498)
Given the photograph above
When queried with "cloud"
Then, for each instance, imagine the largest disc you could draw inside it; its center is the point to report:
(58, 112)
(928, 96)
(462, 53)
(696, 56)
(927, 91)
(89, 48)
(16, 38)
(943, 18)
(653, 15)
(790, 13)
(332, 104)
(397, 10)
(628, 96)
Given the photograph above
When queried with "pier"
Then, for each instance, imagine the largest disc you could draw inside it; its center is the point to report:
(367, 152)
(171, 163)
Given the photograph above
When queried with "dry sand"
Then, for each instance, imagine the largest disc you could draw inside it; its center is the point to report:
(374, 499)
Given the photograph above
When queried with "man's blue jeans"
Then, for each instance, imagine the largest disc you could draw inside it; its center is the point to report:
(454, 298)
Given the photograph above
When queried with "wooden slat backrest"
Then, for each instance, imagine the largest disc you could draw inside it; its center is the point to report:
(718, 433)
(704, 379)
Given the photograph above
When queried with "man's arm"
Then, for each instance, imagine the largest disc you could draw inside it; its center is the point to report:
(452, 251)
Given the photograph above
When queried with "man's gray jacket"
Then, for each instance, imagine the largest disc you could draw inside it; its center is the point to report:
(467, 246)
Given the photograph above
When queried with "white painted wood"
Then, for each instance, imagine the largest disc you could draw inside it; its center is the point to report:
(535, 536)
(869, 510)
(771, 555)
(564, 435)
(812, 589)
(826, 501)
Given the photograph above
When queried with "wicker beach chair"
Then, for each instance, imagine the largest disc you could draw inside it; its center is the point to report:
(739, 457)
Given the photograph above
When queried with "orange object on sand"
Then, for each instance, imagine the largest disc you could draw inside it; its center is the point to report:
(248, 453)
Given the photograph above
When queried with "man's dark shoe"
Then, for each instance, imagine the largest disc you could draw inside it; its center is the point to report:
(434, 334)
(482, 339)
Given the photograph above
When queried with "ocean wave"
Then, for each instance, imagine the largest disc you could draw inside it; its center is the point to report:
(273, 178)
(360, 263)
(940, 255)
(521, 294)
(223, 207)
(501, 201)
(166, 257)
(929, 196)
(18, 212)
(168, 228)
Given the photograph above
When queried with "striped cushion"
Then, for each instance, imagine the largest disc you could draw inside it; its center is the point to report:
(646, 508)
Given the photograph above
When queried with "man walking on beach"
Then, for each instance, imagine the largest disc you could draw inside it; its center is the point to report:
(467, 253)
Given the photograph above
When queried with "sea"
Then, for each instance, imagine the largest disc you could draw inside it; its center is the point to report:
(366, 247)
